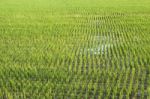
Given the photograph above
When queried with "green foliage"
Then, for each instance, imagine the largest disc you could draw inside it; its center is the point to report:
(74, 49)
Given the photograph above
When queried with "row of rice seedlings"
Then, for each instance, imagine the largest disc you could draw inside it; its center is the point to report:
(94, 91)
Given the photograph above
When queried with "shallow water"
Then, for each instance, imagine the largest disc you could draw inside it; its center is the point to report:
(100, 48)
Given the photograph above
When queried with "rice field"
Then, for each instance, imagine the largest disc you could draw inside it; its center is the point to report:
(74, 49)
